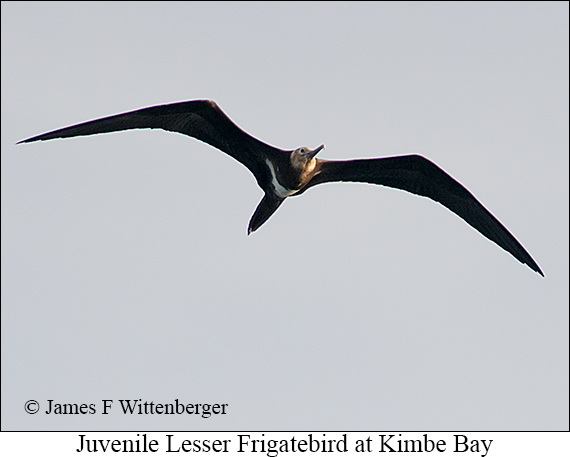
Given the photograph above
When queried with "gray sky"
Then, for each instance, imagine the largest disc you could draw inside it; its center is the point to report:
(127, 272)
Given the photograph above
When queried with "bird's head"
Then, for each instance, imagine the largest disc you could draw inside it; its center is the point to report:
(304, 157)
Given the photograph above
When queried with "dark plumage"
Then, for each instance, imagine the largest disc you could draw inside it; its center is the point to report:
(282, 173)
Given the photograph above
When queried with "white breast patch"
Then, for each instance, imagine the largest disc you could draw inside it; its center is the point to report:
(281, 191)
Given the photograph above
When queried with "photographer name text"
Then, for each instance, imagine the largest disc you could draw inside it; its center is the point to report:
(132, 407)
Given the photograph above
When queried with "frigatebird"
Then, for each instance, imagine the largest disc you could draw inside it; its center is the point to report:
(284, 173)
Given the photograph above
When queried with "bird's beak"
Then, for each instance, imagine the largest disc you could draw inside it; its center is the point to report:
(315, 151)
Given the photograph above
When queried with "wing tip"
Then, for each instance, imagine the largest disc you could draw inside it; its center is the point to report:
(32, 139)
(532, 265)
(537, 269)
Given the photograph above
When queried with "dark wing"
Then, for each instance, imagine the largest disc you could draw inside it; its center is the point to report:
(201, 119)
(419, 176)
(267, 206)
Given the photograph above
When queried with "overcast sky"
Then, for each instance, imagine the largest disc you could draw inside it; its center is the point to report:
(127, 272)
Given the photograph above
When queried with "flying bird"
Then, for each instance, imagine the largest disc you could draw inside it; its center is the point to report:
(284, 173)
